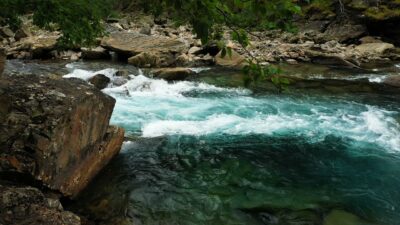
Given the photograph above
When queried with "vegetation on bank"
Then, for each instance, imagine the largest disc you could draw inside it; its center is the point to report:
(80, 21)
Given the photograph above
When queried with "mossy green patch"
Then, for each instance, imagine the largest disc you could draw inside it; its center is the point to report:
(382, 13)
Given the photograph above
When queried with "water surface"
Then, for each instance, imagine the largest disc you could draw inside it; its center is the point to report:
(202, 153)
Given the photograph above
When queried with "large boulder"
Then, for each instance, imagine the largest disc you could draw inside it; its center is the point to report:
(56, 131)
(132, 44)
(27, 205)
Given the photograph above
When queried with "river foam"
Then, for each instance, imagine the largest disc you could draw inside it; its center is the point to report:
(152, 108)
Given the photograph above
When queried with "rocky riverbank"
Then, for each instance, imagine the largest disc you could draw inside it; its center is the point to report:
(346, 35)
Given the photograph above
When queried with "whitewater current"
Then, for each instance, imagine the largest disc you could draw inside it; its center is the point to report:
(152, 108)
(201, 153)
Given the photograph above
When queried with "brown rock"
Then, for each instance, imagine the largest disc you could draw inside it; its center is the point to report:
(392, 81)
(56, 131)
(27, 205)
(172, 74)
(100, 81)
(135, 43)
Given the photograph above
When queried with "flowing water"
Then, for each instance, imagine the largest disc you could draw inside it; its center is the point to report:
(208, 151)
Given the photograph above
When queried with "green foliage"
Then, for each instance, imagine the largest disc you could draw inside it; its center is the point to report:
(255, 72)
(243, 16)
(79, 20)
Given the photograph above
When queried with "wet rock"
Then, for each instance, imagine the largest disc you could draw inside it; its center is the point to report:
(56, 131)
(172, 74)
(122, 73)
(151, 50)
(235, 60)
(95, 53)
(100, 81)
(27, 205)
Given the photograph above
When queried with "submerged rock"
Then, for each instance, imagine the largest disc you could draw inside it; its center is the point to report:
(100, 81)
(56, 131)
(339, 217)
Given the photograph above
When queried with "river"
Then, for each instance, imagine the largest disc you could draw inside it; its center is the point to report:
(210, 151)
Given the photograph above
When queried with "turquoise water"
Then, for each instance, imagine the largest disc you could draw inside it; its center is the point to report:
(205, 154)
